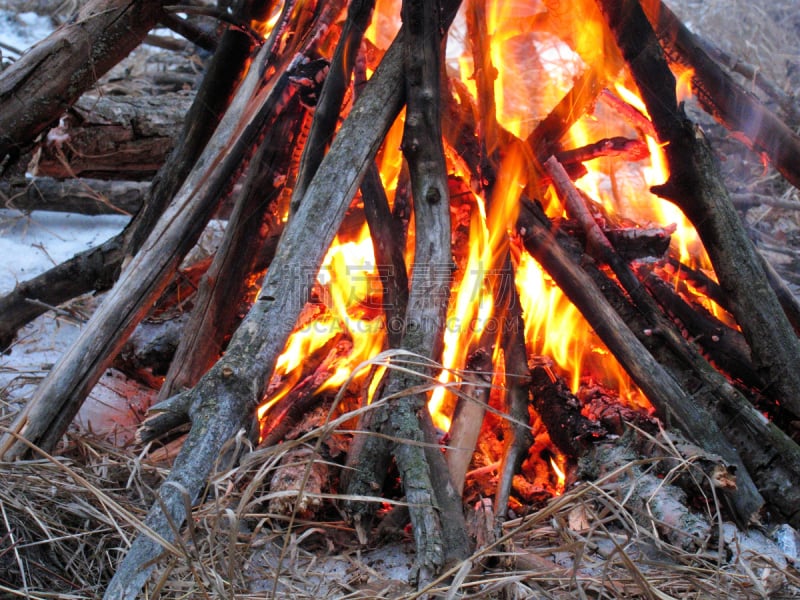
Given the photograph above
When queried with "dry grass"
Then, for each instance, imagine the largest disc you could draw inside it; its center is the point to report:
(66, 521)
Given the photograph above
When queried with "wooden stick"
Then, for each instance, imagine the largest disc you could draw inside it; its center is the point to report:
(669, 398)
(224, 399)
(388, 234)
(696, 187)
(467, 419)
(223, 287)
(326, 115)
(439, 540)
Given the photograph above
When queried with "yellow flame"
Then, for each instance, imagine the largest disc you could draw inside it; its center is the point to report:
(560, 475)
(683, 85)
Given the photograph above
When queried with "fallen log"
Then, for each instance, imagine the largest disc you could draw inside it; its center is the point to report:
(98, 268)
(112, 137)
(82, 196)
(39, 87)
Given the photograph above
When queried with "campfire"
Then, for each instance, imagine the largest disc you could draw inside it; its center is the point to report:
(470, 247)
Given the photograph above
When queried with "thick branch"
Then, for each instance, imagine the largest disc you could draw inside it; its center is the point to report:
(225, 398)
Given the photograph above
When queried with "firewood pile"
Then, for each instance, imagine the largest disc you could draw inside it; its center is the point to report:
(370, 354)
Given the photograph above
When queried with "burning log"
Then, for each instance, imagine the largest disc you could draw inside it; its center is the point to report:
(570, 431)
(771, 458)
(662, 390)
(725, 346)
(695, 186)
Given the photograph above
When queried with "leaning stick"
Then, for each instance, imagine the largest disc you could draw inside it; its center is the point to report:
(224, 399)
(723, 98)
(695, 186)
(670, 400)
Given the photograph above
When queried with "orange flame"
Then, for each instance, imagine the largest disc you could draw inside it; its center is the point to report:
(567, 39)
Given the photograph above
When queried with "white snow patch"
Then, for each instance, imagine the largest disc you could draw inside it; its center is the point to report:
(22, 30)
(32, 244)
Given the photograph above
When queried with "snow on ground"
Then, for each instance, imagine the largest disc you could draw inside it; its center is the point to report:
(30, 244)
(20, 31)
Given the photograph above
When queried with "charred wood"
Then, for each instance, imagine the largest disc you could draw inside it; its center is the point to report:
(767, 454)
(560, 411)
(633, 243)
(671, 401)
(328, 110)
(698, 280)
(725, 347)
(388, 233)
